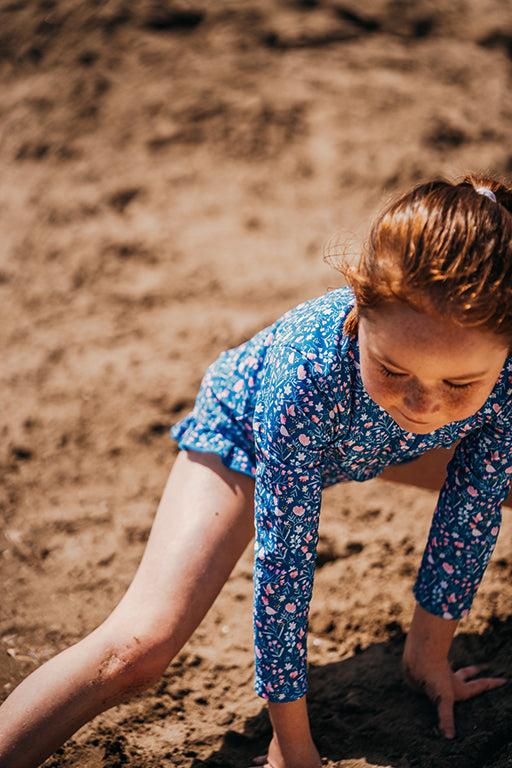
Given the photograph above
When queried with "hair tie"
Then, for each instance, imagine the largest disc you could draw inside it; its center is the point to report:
(486, 193)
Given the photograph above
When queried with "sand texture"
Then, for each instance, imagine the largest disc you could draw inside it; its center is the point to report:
(170, 173)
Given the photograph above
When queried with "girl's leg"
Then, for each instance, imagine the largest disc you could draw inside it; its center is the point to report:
(203, 524)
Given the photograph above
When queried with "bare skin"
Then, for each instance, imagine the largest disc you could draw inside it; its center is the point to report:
(426, 371)
(292, 745)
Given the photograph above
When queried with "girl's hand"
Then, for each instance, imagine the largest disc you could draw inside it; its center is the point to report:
(444, 687)
(426, 668)
(306, 757)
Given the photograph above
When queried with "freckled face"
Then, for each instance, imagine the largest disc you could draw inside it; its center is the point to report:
(424, 371)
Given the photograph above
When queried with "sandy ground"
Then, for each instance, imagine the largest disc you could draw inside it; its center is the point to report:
(170, 172)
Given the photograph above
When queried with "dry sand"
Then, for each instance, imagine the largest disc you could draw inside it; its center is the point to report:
(170, 172)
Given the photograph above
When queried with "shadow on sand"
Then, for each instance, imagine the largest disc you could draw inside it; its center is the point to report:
(361, 708)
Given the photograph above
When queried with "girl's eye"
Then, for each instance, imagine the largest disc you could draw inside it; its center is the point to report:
(459, 386)
(393, 374)
(386, 372)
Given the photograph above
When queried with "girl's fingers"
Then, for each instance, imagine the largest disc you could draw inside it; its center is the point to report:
(446, 718)
(475, 687)
(464, 673)
(467, 687)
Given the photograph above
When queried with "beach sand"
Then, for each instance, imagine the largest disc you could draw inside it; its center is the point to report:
(170, 173)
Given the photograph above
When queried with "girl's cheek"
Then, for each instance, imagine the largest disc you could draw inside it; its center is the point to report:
(465, 402)
(383, 391)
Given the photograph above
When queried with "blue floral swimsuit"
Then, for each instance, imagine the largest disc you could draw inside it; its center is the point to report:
(289, 408)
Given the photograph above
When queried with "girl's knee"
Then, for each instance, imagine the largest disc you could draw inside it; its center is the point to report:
(130, 667)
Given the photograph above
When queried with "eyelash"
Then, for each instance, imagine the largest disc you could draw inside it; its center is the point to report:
(386, 372)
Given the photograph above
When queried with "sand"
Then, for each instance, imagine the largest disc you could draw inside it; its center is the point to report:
(170, 173)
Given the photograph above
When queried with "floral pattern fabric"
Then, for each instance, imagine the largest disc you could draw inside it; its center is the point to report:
(289, 408)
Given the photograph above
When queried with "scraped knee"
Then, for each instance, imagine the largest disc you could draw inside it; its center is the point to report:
(129, 668)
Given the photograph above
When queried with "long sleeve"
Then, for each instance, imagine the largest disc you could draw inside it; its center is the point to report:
(293, 425)
(467, 520)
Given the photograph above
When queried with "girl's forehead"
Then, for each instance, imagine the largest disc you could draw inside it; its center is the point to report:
(398, 320)
(398, 333)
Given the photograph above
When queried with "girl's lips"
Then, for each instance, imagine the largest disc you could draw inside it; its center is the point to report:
(413, 421)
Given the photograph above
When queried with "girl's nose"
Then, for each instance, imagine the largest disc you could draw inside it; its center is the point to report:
(420, 400)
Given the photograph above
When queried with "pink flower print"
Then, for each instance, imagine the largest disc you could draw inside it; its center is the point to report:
(270, 611)
(448, 568)
(472, 491)
(284, 432)
(294, 574)
(475, 532)
(257, 652)
(304, 439)
(298, 511)
(301, 373)
(290, 607)
(495, 530)
(496, 408)
(290, 410)
(294, 674)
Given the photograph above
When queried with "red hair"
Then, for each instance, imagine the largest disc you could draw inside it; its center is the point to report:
(443, 249)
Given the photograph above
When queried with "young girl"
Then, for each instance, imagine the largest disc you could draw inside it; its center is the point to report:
(413, 356)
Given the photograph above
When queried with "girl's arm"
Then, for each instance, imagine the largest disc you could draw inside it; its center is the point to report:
(292, 745)
(426, 667)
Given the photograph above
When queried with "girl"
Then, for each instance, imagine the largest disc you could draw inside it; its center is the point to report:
(413, 356)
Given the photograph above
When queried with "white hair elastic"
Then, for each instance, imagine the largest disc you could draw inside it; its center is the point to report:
(487, 193)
